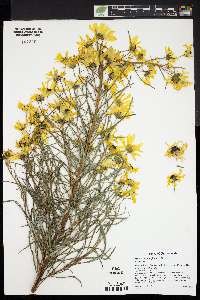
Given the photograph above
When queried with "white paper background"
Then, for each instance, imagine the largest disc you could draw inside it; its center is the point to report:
(161, 219)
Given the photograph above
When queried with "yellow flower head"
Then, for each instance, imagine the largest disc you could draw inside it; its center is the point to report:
(170, 56)
(121, 107)
(178, 80)
(110, 87)
(85, 43)
(89, 57)
(66, 114)
(140, 54)
(188, 50)
(35, 115)
(119, 71)
(26, 107)
(21, 106)
(55, 75)
(149, 74)
(20, 126)
(10, 155)
(127, 145)
(46, 90)
(37, 97)
(134, 43)
(106, 164)
(24, 142)
(40, 133)
(113, 148)
(176, 150)
(112, 56)
(62, 59)
(174, 178)
(102, 32)
(126, 187)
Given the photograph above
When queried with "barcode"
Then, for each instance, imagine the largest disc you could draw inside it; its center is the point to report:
(116, 288)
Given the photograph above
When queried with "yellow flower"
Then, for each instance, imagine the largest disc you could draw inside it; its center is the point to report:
(170, 56)
(113, 148)
(20, 126)
(178, 80)
(21, 105)
(110, 87)
(112, 56)
(126, 187)
(121, 107)
(40, 133)
(63, 106)
(174, 178)
(134, 43)
(107, 133)
(89, 57)
(72, 61)
(37, 97)
(149, 74)
(34, 115)
(102, 32)
(128, 166)
(25, 143)
(127, 144)
(106, 164)
(55, 74)
(188, 50)
(65, 115)
(117, 72)
(176, 150)
(140, 54)
(10, 155)
(46, 90)
(88, 42)
(26, 107)
(62, 59)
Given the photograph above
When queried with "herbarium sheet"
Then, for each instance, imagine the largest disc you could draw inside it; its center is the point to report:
(99, 157)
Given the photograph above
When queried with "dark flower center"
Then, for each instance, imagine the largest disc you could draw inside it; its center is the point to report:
(173, 177)
(174, 149)
(176, 78)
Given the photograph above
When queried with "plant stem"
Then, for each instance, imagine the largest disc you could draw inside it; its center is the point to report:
(38, 279)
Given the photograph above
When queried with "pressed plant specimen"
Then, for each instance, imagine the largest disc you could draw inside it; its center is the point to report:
(72, 168)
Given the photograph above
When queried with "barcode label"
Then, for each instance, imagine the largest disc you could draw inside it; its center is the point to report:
(150, 10)
(116, 288)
